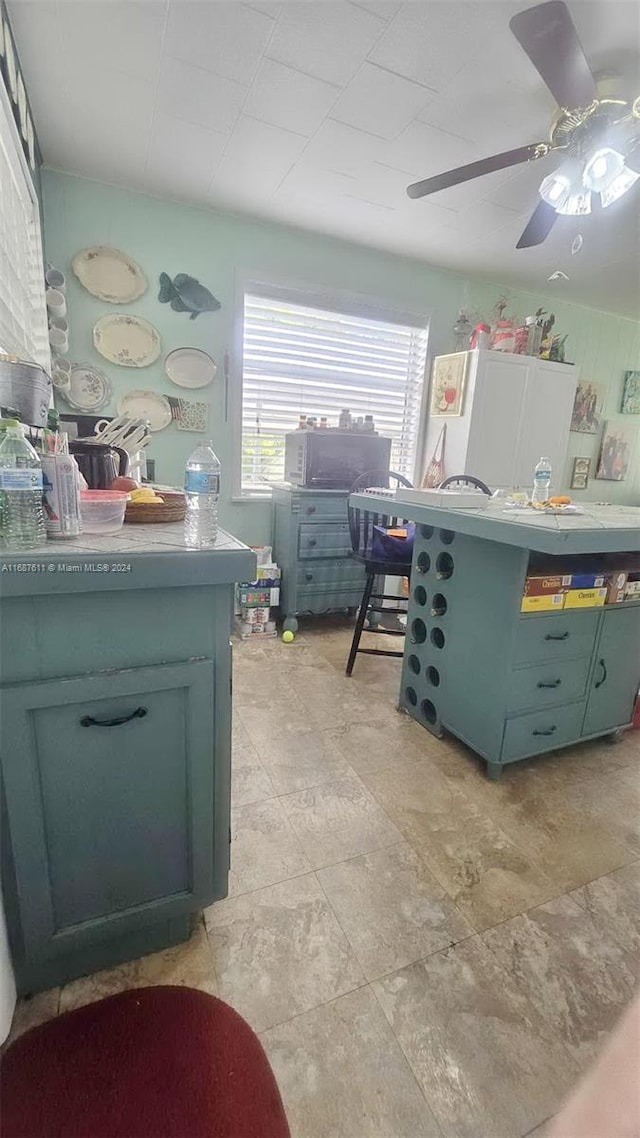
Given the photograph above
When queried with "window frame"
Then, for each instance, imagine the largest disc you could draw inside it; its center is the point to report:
(313, 296)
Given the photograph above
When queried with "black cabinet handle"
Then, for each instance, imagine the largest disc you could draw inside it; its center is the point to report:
(309, 576)
(312, 542)
(549, 732)
(599, 683)
(549, 683)
(561, 636)
(89, 721)
(311, 509)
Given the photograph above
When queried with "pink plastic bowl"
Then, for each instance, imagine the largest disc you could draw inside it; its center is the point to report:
(102, 510)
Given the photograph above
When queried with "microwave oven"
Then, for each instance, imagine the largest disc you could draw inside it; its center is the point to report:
(332, 459)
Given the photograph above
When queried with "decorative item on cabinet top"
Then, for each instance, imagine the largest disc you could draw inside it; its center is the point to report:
(186, 294)
(150, 406)
(631, 393)
(109, 274)
(447, 384)
(126, 340)
(190, 367)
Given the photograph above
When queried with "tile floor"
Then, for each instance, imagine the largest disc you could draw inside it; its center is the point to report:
(423, 952)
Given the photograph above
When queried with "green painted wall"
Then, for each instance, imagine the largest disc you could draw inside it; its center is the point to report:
(216, 248)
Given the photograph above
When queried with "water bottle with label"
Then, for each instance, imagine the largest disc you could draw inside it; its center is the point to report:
(202, 490)
(21, 490)
(541, 481)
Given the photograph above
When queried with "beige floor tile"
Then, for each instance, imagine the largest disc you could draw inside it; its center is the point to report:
(488, 1064)
(379, 744)
(239, 734)
(613, 903)
(264, 848)
(271, 722)
(391, 908)
(485, 873)
(280, 952)
(298, 761)
(342, 1074)
(338, 820)
(330, 700)
(189, 964)
(34, 1011)
(249, 780)
(579, 979)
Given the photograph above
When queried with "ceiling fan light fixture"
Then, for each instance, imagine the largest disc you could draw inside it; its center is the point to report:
(619, 186)
(555, 189)
(602, 168)
(577, 204)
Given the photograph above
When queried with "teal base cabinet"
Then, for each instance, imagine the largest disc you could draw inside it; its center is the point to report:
(312, 546)
(510, 685)
(116, 770)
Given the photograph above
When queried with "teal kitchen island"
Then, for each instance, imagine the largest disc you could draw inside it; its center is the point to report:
(115, 745)
(511, 684)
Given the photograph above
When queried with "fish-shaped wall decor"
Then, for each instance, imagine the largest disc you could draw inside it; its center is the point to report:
(186, 294)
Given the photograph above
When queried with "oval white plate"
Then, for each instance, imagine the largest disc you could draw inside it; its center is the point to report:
(127, 340)
(109, 274)
(148, 405)
(88, 390)
(190, 367)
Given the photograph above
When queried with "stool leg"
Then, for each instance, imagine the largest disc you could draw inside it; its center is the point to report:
(362, 613)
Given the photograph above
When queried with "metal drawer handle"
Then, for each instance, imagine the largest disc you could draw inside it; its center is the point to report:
(89, 721)
(311, 509)
(549, 683)
(549, 732)
(599, 683)
(312, 541)
(308, 576)
(562, 636)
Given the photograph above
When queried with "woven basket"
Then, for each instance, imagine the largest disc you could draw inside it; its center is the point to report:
(172, 509)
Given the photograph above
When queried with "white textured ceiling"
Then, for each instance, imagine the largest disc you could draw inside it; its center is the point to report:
(318, 113)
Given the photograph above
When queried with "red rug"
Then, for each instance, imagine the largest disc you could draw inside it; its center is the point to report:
(149, 1063)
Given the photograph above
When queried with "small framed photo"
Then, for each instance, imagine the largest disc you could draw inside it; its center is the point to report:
(614, 460)
(580, 473)
(631, 393)
(447, 384)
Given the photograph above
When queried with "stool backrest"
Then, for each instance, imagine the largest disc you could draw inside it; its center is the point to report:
(362, 522)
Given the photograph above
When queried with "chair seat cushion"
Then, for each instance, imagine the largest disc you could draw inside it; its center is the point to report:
(387, 546)
(161, 1062)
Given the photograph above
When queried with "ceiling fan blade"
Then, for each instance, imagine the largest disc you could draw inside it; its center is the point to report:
(548, 35)
(476, 169)
(538, 227)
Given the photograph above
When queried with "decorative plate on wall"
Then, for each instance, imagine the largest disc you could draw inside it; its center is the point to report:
(148, 405)
(127, 340)
(109, 274)
(89, 389)
(190, 367)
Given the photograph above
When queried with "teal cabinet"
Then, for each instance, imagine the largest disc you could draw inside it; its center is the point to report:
(312, 546)
(109, 790)
(616, 666)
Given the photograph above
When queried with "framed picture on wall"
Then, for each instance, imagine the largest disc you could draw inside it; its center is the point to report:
(587, 407)
(447, 384)
(615, 451)
(631, 393)
(580, 473)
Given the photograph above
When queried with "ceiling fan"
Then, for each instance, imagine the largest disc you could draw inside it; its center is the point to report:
(598, 136)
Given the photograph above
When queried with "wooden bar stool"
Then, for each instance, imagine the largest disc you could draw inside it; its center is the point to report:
(363, 528)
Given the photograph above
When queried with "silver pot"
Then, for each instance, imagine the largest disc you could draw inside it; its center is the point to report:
(27, 387)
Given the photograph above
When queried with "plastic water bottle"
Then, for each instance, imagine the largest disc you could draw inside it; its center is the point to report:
(21, 489)
(202, 489)
(541, 481)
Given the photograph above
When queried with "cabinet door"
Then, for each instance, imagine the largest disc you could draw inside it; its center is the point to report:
(109, 787)
(495, 419)
(548, 403)
(616, 674)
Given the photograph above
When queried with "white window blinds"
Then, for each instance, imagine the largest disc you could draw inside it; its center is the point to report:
(23, 320)
(299, 359)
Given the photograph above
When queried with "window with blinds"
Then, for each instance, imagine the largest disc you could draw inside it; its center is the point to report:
(23, 320)
(304, 360)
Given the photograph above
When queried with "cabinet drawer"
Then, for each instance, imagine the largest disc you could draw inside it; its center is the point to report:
(109, 789)
(324, 539)
(339, 574)
(563, 636)
(541, 731)
(319, 602)
(323, 508)
(547, 685)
